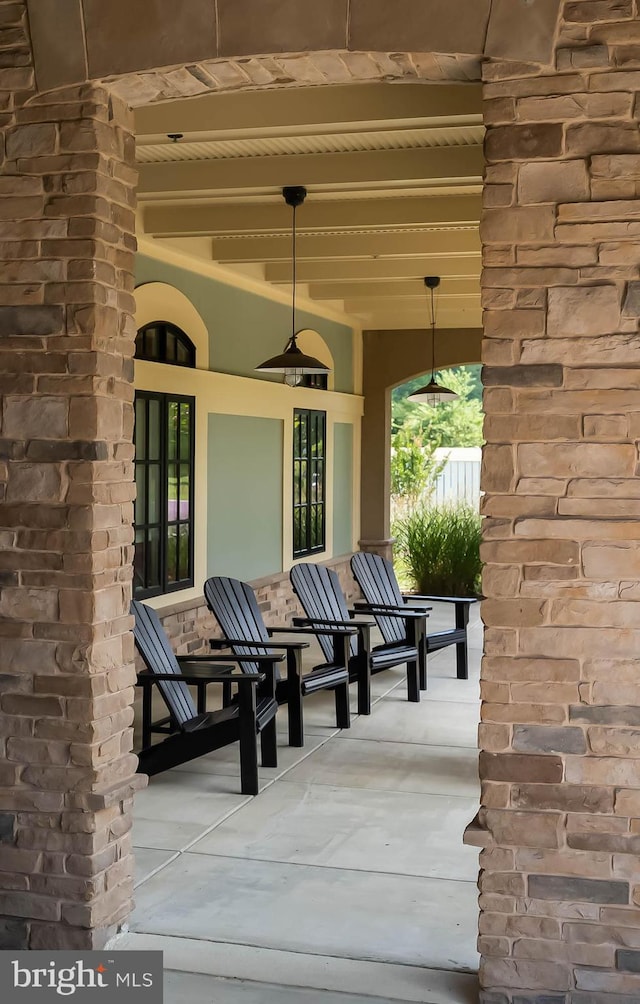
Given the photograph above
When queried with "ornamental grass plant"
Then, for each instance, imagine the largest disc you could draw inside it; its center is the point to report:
(438, 549)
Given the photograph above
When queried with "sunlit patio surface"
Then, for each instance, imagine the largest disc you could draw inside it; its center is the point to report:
(345, 881)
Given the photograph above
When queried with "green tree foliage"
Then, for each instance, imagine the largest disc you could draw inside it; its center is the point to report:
(454, 423)
(414, 469)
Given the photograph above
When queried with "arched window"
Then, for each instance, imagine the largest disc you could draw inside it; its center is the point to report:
(163, 342)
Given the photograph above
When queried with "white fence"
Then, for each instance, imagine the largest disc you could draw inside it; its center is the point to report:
(460, 479)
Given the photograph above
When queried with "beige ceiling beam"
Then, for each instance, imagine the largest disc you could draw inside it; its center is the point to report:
(339, 270)
(184, 221)
(338, 245)
(306, 107)
(410, 287)
(327, 169)
(446, 302)
(395, 316)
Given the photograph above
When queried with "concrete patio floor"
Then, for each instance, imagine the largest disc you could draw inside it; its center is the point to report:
(345, 881)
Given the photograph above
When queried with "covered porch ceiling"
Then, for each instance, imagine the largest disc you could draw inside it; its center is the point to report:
(394, 175)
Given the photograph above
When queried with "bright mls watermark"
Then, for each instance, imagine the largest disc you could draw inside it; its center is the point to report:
(83, 977)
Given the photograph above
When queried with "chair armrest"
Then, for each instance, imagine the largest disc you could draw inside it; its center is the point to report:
(316, 631)
(441, 599)
(148, 679)
(401, 613)
(220, 643)
(327, 622)
(286, 646)
(231, 658)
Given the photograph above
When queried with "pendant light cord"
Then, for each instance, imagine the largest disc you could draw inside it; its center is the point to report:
(433, 337)
(293, 259)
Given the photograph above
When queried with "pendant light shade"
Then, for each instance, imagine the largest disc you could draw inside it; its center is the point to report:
(433, 393)
(293, 362)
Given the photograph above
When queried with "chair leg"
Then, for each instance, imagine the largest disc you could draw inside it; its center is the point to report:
(226, 695)
(413, 682)
(422, 660)
(294, 698)
(462, 660)
(146, 717)
(343, 711)
(248, 741)
(361, 671)
(202, 698)
(269, 744)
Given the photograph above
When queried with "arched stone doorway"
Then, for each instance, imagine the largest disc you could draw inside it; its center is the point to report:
(391, 358)
(561, 401)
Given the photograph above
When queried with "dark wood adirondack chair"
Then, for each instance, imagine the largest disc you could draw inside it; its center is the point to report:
(377, 580)
(192, 732)
(234, 605)
(319, 591)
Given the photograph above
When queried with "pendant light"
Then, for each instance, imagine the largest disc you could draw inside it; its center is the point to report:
(433, 393)
(293, 362)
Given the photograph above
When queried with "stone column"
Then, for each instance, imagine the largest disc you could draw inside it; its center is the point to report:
(66, 345)
(375, 477)
(560, 733)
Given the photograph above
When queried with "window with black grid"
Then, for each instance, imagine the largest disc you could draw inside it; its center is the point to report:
(164, 445)
(309, 441)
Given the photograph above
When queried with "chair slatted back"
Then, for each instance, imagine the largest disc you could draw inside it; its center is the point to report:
(319, 591)
(377, 580)
(153, 645)
(233, 604)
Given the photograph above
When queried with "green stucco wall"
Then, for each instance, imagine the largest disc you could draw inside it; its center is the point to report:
(244, 328)
(244, 474)
(342, 487)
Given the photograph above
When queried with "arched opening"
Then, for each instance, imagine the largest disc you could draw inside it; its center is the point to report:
(548, 310)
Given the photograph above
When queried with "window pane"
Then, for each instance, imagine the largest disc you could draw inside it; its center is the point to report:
(303, 517)
(152, 344)
(183, 567)
(154, 429)
(140, 433)
(320, 481)
(153, 560)
(170, 346)
(140, 504)
(153, 487)
(316, 526)
(303, 480)
(182, 354)
(172, 554)
(139, 580)
(184, 493)
(185, 431)
(172, 427)
(172, 492)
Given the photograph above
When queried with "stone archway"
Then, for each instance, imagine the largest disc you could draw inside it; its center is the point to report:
(561, 545)
(390, 359)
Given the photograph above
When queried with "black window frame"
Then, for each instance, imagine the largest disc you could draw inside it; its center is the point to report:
(163, 463)
(165, 329)
(304, 498)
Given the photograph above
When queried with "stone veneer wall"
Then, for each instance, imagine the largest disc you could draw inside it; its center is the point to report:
(560, 733)
(66, 344)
